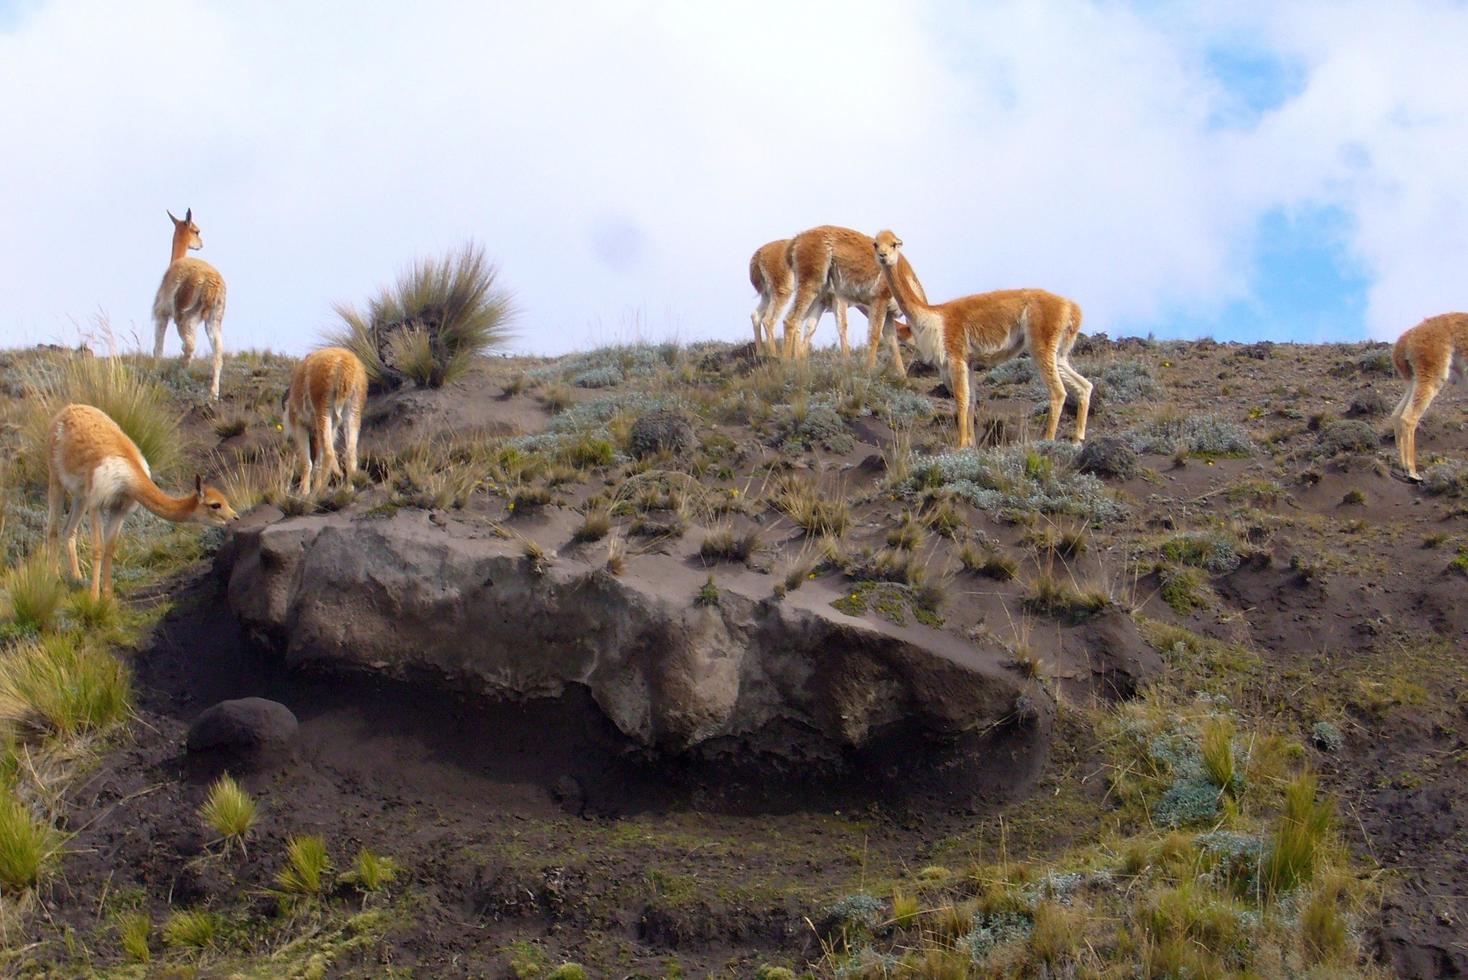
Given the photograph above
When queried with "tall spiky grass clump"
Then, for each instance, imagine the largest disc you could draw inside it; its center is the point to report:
(28, 845)
(59, 685)
(307, 868)
(139, 404)
(133, 929)
(191, 929)
(34, 594)
(429, 327)
(1300, 838)
(228, 810)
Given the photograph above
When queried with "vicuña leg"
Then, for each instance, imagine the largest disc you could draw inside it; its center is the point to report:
(98, 561)
(1422, 392)
(301, 439)
(353, 424)
(325, 452)
(73, 523)
(807, 295)
(160, 334)
(188, 331)
(1050, 373)
(958, 373)
(214, 326)
(109, 547)
(1082, 389)
(55, 500)
(840, 306)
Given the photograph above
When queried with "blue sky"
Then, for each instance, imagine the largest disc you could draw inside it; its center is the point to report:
(1282, 171)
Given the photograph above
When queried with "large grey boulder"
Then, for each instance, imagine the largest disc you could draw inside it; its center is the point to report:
(797, 679)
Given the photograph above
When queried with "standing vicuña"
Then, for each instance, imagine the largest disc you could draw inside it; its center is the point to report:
(328, 389)
(192, 290)
(987, 329)
(94, 463)
(1427, 356)
(771, 276)
(839, 261)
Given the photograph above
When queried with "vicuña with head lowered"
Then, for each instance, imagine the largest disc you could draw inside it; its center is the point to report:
(93, 462)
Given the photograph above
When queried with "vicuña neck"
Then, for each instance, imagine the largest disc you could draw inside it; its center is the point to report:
(176, 509)
(180, 243)
(907, 298)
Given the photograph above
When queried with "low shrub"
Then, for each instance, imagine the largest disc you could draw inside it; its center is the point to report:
(1199, 435)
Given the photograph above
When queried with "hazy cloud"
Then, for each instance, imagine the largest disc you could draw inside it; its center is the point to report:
(621, 161)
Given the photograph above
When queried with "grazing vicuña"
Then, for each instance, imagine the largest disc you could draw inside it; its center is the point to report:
(328, 389)
(94, 463)
(772, 278)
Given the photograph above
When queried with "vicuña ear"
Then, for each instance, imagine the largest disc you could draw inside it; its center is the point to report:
(199, 485)
(189, 216)
(172, 218)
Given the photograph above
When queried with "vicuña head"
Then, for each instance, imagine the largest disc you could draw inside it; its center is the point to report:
(92, 461)
(185, 233)
(888, 248)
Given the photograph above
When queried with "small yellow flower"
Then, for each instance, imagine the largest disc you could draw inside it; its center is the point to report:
(279, 427)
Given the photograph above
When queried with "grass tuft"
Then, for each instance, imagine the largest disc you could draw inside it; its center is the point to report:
(29, 845)
(191, 929)
(228, 810)
(133, 930)
(57, 685)
(1299, 838)
(307, 869)
(429, 327)
(35, 594)
(370, 872)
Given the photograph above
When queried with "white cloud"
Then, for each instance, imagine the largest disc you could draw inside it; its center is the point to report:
(622, 160)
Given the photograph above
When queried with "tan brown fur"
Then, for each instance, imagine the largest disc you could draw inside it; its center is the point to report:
(328, 388)
(192, 290)
(839, 260)
(772, 278)
(988, 328)
(1427, 356)
(93, 462)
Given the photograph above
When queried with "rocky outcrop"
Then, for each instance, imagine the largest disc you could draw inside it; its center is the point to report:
(410, 599)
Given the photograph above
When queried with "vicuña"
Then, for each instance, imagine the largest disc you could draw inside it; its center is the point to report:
(986, 329)
(1427, 356)
(772, 278)
(191, 290)
(93, 462)
(328, 390)
(839, 261)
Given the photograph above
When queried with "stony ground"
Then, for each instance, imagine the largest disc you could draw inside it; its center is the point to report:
(1263, 544)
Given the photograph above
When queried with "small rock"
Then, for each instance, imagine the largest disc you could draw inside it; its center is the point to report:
(249, 725)
(662, 430)
(1108, 456)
